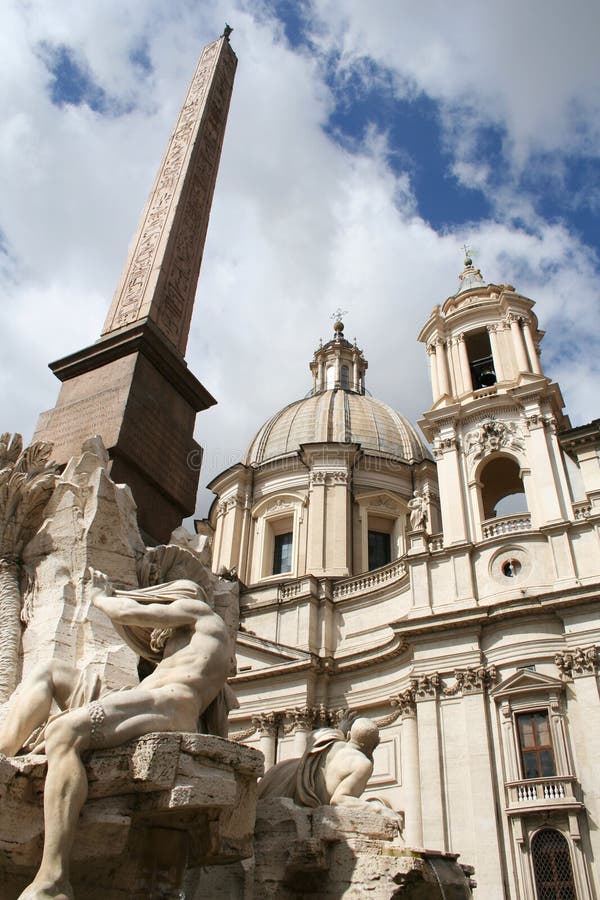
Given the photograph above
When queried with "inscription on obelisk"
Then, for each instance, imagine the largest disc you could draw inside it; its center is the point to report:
(133, 386)
(160, 276)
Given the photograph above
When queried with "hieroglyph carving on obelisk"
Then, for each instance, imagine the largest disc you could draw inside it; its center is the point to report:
(161, 273)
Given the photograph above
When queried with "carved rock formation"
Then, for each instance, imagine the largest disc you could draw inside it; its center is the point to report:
(26, 483)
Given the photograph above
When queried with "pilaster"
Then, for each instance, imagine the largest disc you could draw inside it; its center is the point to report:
(426, 688)
(411, 769)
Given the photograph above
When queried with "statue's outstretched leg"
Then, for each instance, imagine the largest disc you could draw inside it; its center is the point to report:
(65, 793)
(31, 707)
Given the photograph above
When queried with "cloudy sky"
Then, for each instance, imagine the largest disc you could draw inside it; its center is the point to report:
(366, 143)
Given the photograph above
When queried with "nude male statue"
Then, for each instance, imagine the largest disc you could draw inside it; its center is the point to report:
(333, 770)
(192, 672)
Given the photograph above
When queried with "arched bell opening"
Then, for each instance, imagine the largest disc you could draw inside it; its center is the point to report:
(502, 489)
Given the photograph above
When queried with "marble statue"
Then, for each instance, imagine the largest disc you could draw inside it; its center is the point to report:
(418, 511)
(178, 623)
(334, 770)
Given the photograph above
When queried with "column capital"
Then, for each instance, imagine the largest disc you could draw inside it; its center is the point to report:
(426, 687)
(404, 703)
(302, 719)
(267, 723)
(578, 662)
(473, 680)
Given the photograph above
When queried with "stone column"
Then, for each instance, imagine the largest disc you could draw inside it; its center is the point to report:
(483, 793)
(534, 358)
(428, 737)
(496, 353)
(267, 725)
(548, 493)
(302, 725)
(337, 374)
(245, 537)
(315, 558)
(465, 368)
(518, 343)
(355, 373)
(337, 523)
(443, 372)
(435, 390)
(582, 665)
(411, 771)
(454, 521)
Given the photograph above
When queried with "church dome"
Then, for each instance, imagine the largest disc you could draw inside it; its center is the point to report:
(341, 416)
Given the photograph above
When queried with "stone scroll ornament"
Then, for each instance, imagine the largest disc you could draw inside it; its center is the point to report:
(27, 480)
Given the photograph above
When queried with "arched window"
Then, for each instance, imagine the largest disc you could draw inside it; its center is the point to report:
(329, 378)
(345, 377)
(502, 490)
(552, 866)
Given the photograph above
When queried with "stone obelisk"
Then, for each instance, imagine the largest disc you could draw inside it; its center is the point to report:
(133, 386)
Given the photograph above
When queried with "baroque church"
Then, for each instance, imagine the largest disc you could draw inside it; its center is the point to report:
(451, 595)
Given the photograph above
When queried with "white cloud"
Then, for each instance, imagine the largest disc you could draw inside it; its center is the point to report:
(300, 224)
(532, 67)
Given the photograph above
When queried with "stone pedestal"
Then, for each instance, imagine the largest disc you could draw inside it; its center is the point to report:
(159, 808)
(136, 391)
(334, 852)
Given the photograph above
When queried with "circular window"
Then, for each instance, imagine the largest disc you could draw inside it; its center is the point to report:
(510, 568)
(512, 562)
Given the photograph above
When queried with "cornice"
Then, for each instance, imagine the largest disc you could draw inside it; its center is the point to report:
(478, 616)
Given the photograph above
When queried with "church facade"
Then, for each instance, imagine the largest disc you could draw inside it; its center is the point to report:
(451, 595)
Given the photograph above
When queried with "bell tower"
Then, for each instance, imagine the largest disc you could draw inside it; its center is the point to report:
(495, 416)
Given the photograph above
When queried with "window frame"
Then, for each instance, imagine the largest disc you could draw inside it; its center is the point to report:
(537, 749)
(275, 514)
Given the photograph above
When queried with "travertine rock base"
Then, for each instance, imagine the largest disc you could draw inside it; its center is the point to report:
(157, 807)
(90, 522)
(333, 852)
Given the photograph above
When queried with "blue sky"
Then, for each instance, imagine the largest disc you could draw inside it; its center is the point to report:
(365, 146)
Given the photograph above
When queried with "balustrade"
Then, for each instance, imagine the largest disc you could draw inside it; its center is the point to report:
(535, 794)
(506, 525)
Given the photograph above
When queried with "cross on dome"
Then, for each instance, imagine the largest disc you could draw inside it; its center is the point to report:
(338, 325)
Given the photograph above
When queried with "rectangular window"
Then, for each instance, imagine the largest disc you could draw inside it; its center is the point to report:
(380, 549)
(535, 744)
(282, 553)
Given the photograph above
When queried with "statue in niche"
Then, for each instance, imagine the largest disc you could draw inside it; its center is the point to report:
(334, 769)
(418, 512)
(176, 625)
